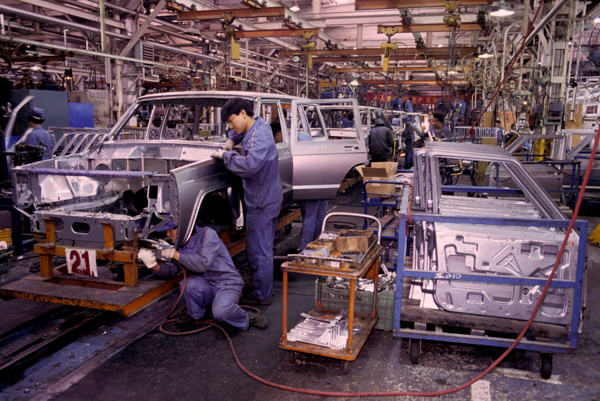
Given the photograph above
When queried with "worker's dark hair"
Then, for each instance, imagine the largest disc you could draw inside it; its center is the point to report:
(350, 115)
(439, 116)
(235, 106)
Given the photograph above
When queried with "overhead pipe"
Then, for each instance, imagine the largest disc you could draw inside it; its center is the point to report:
(102, 27)
(81, 27)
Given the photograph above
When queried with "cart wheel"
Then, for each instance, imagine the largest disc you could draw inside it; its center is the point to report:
(288, 229)
(546, 362)
(414, 350)
(346, 366)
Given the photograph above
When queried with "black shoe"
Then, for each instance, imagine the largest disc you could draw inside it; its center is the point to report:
(252, 300)
(35, 267)
(257, 320)
(185, 319)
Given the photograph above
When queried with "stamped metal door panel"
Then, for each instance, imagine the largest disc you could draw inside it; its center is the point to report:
(321, 162)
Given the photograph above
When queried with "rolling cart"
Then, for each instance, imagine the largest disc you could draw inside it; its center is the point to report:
(416, 323)
(368, 268)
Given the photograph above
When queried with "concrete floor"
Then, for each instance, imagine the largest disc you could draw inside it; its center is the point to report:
(200, 367)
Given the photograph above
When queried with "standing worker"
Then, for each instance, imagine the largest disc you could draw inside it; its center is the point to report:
(436, 129)
(498, 132)
(348, 120)
(408, 136)
(408, 107)
(36, 135)
(214, 280)
(258, 165)
(380, 141)
(313, 211)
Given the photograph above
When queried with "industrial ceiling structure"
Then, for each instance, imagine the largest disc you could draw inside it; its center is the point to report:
(296, 47)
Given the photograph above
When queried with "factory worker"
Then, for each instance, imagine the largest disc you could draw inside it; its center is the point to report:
(258, 165)
(380, 141)
(213, 280)
(348, 120)
(408, 136)
(498, 132)
(36, 135)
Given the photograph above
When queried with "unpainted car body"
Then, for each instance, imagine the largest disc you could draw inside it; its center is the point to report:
(166, 172)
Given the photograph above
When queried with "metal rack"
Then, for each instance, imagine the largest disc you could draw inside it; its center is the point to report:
(417, 323)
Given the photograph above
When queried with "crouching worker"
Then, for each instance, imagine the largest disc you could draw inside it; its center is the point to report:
(213, 280)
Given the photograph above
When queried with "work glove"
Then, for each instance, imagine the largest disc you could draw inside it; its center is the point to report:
(147, 257)
(218, 154)
(168, 253)
(228, 145)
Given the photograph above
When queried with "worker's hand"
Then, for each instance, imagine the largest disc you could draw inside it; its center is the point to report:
(147, 257)
(168, 253)
(228, 145)
(218, 154)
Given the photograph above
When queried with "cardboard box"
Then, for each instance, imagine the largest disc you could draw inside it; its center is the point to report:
(349, 241)
(379, 171)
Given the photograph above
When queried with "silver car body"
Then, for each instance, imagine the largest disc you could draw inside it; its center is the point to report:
(170, 167)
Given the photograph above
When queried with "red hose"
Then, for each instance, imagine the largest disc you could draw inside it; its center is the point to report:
(451, 390)
(506, 74)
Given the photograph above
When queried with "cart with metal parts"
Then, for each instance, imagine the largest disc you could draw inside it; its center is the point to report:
(479, 264)
(368, 268)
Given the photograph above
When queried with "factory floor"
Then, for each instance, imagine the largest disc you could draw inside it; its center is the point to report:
(201, 367)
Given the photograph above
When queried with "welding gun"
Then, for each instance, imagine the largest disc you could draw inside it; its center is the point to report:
(157, 247)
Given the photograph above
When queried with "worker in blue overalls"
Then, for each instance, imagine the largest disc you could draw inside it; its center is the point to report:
(498, 132)
(258, 165)
(213, 280)
(36, 135)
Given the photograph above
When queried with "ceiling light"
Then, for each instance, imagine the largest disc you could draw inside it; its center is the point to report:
(440, 45)
(597, 20)
(152, 7)
(354, 82)
(295, 7)
(501, 10)
(452, 72)
(485, 55)
(68, 74)
(191, 30)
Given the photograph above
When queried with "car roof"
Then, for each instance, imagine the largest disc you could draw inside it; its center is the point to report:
(212, 94)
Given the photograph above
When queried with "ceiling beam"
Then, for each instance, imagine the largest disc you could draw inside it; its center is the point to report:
(429, 28)
(409, 82)
(341, 59)
(73, 12)
(237, 12)
(383, 4)
(274, 33)
(377, 51)
(394, 69)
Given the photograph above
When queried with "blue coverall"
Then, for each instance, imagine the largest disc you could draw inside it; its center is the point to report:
(313, 212)
(38, 137)
(499, 134)
(408, 135)
(258, 165)
(214, 279)
(408, 107)
(347, 123)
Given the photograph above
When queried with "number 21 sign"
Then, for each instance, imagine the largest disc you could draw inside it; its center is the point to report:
(81, 261)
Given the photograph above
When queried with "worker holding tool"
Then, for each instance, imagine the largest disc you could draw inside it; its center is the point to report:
(408, 136)
(258, 165)
(36, 135)
(213, 281)
(380, 141)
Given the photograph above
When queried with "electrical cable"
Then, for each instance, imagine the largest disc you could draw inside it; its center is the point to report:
(512, 63)
(432, 393)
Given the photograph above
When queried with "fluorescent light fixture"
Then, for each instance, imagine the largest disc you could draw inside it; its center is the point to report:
(452, 72)
(502, 10)
(295, 7)
(485, 55)
(354, 82)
